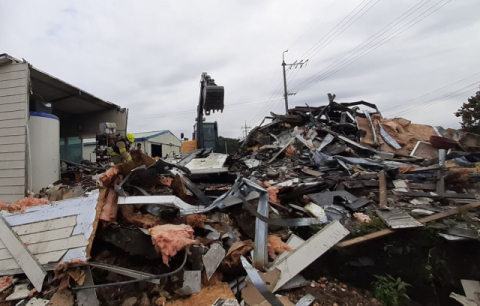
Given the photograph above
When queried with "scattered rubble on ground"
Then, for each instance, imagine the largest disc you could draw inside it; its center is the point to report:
(210, 229)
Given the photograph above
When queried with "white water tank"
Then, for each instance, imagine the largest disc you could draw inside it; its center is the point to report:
(44, 132)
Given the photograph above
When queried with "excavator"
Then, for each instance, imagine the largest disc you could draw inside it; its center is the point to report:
(205, 134)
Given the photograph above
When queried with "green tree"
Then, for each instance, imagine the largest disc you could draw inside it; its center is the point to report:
(232, 145)
(470, 114)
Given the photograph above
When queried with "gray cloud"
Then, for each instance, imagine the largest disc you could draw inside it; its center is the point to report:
(148, 55)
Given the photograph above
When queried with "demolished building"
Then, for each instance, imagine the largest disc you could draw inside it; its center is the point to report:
(250, 229)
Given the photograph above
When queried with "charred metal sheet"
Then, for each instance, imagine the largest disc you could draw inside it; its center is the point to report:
(213, 258)
(132, 241)
(367, 114)
(259, 284)
(341, 197)
(191, 283)
(281, 150)
(307, 300)
(397, 218)
(252, 163)
(196, 191)
(260, 258)
(392, 142)
(325, 141)
(464, 232)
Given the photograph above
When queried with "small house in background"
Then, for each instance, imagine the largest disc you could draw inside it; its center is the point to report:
(156, 143)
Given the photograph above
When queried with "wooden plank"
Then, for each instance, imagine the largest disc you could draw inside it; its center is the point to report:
(12, 83)
(57, 245)
(12, 181)
(17, 99)
(45, 258)
(16, 147)
(11, 156)
(47, 236)
(13, 91)
(4, 253)
(49, 244)
(309, 251)
(9, 115)
(14, 131)
(12, 139)
(19, 164)
(12, 107)
(44, 226)
(12, 123)
(13, 67)
(386, 232)
(29, 264)
(12, 75)
(422, 186)
(4, 190)
(382, 189)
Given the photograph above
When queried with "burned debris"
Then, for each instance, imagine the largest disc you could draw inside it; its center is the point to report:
(210, 229)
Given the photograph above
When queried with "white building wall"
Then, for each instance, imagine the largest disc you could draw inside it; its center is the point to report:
(13, 118)
(170, 144)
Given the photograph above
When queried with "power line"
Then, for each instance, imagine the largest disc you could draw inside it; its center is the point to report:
(438, 99)
(320, 49)
(305, 32)
(194, 110)
(351, 12)
(359, 47)
(402, 104)
(313, 47)
(376, 46)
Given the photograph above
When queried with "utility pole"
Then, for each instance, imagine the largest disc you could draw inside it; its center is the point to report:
(295, 65)
(245, 129)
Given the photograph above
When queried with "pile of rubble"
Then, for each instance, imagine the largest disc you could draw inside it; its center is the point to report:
(211, 229)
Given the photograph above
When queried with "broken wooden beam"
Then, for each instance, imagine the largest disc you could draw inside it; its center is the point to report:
(382, 189)
(386, 232)
(27, 262)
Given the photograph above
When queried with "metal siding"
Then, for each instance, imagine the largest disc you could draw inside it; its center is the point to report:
(13, 113)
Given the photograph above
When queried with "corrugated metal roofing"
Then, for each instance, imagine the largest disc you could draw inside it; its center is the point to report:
(148, 135)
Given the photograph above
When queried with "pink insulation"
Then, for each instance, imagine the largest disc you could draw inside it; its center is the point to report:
(5, 282)
(170, 238)
(108, 176)
(22, 204)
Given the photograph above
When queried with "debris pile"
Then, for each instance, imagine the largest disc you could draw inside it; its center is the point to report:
(210, 229)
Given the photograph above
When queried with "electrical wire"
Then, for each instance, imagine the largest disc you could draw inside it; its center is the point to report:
(314, 48)
(381, 43)
(321, 16)
(193, 111)
(437, 99)
(136, 280)
(374, 47)
(320, 49)
(321, 39)
(407, 102)
(359, 47)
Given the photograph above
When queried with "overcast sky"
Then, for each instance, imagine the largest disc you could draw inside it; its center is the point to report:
(148, 55)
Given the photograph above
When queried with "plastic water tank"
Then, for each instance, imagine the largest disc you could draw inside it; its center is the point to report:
(44, 131)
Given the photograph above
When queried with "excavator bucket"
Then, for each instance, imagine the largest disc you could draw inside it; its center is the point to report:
(213, 97)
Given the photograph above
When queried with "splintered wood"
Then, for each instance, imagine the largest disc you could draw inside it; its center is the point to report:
(206, 297)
